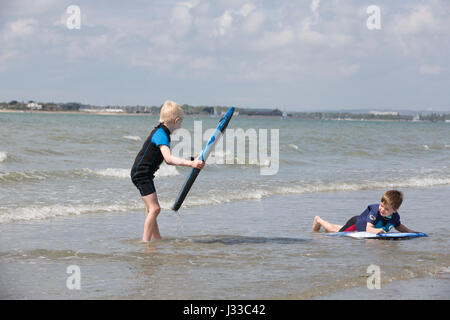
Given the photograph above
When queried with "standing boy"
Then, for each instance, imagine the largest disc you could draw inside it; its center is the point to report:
(156, 149)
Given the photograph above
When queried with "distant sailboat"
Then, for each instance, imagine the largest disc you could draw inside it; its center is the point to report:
(215, 114)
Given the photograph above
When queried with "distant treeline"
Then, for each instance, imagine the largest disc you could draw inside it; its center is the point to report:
(434, 117)
(349, 116)
(217, 110)
(47, 106)
(75, 106)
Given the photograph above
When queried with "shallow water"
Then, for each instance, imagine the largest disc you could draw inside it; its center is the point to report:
(83, 162)
(66, 199)
(242, 250)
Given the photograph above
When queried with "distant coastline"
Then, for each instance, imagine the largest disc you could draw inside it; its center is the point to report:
(211, 111)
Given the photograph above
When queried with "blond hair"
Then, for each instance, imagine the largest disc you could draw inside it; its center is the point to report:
(170, 111)
(393, 198)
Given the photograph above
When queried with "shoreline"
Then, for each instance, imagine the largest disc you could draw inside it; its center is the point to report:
(76, 112)
(189, 249)
(210, 116)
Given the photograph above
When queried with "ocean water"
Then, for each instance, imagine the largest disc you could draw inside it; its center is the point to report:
(66, 199)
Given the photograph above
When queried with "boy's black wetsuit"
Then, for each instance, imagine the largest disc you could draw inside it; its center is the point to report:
(149, 159)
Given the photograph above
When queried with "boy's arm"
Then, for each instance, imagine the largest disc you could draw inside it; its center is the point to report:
(175, 161)
(402, 228)
(370, 228)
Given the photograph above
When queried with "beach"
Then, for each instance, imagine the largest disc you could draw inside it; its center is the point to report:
(66, 199)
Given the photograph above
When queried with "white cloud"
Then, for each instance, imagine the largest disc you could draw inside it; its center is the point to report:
(314, 5)
(5, 58)
(224, 23)
(29, 8)
(181, 19)
(21, 28)
(312, 37)
(253, 23)
(417, 30)
(331, 33)
(246, 9)
(203, 63)
(89, 46)
(348, 70)
(276, 39)
(249, 39)
(418, 20)
(314, 18)
(427, 69)
(157, 60)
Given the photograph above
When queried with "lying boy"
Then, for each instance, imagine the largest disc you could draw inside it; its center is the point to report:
(156, 149)
(377, 218)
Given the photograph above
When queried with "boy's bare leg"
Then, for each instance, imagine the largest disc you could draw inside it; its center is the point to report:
(155, 232)
(329, 227)
(152, 211)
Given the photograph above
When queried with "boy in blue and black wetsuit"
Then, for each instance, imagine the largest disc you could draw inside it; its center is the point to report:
(377, 218)
(156, 149)
(149, 159)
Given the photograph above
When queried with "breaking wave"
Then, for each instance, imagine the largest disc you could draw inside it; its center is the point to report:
(227, 194)
(119, 173)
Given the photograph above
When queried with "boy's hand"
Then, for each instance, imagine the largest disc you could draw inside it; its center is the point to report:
(198, 164)
(381, 231)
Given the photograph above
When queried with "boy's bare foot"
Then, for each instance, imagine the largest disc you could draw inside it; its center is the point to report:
(316, 224)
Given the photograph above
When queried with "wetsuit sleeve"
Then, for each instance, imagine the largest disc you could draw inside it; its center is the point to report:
(160, 138)
(397, 220)
(371, 216)
(361, 222)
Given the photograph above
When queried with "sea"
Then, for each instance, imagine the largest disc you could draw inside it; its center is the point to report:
(71, 220)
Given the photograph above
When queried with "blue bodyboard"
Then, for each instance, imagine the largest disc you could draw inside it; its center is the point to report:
(382, 236)
(223, 123)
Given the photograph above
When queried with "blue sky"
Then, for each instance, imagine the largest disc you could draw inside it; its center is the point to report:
(294, 55)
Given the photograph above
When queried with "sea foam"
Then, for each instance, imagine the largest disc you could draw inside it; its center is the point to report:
(134, 138)
(32, 212)
(163, 171)
(38, 212)
(362, 185)
(40, 175)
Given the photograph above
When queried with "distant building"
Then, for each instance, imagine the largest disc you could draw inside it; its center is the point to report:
(104, 110)
(112, 110)
(88, 110)
(384, 113)
(34, 106)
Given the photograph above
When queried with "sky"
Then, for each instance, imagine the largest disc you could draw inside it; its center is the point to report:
(295, 55)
